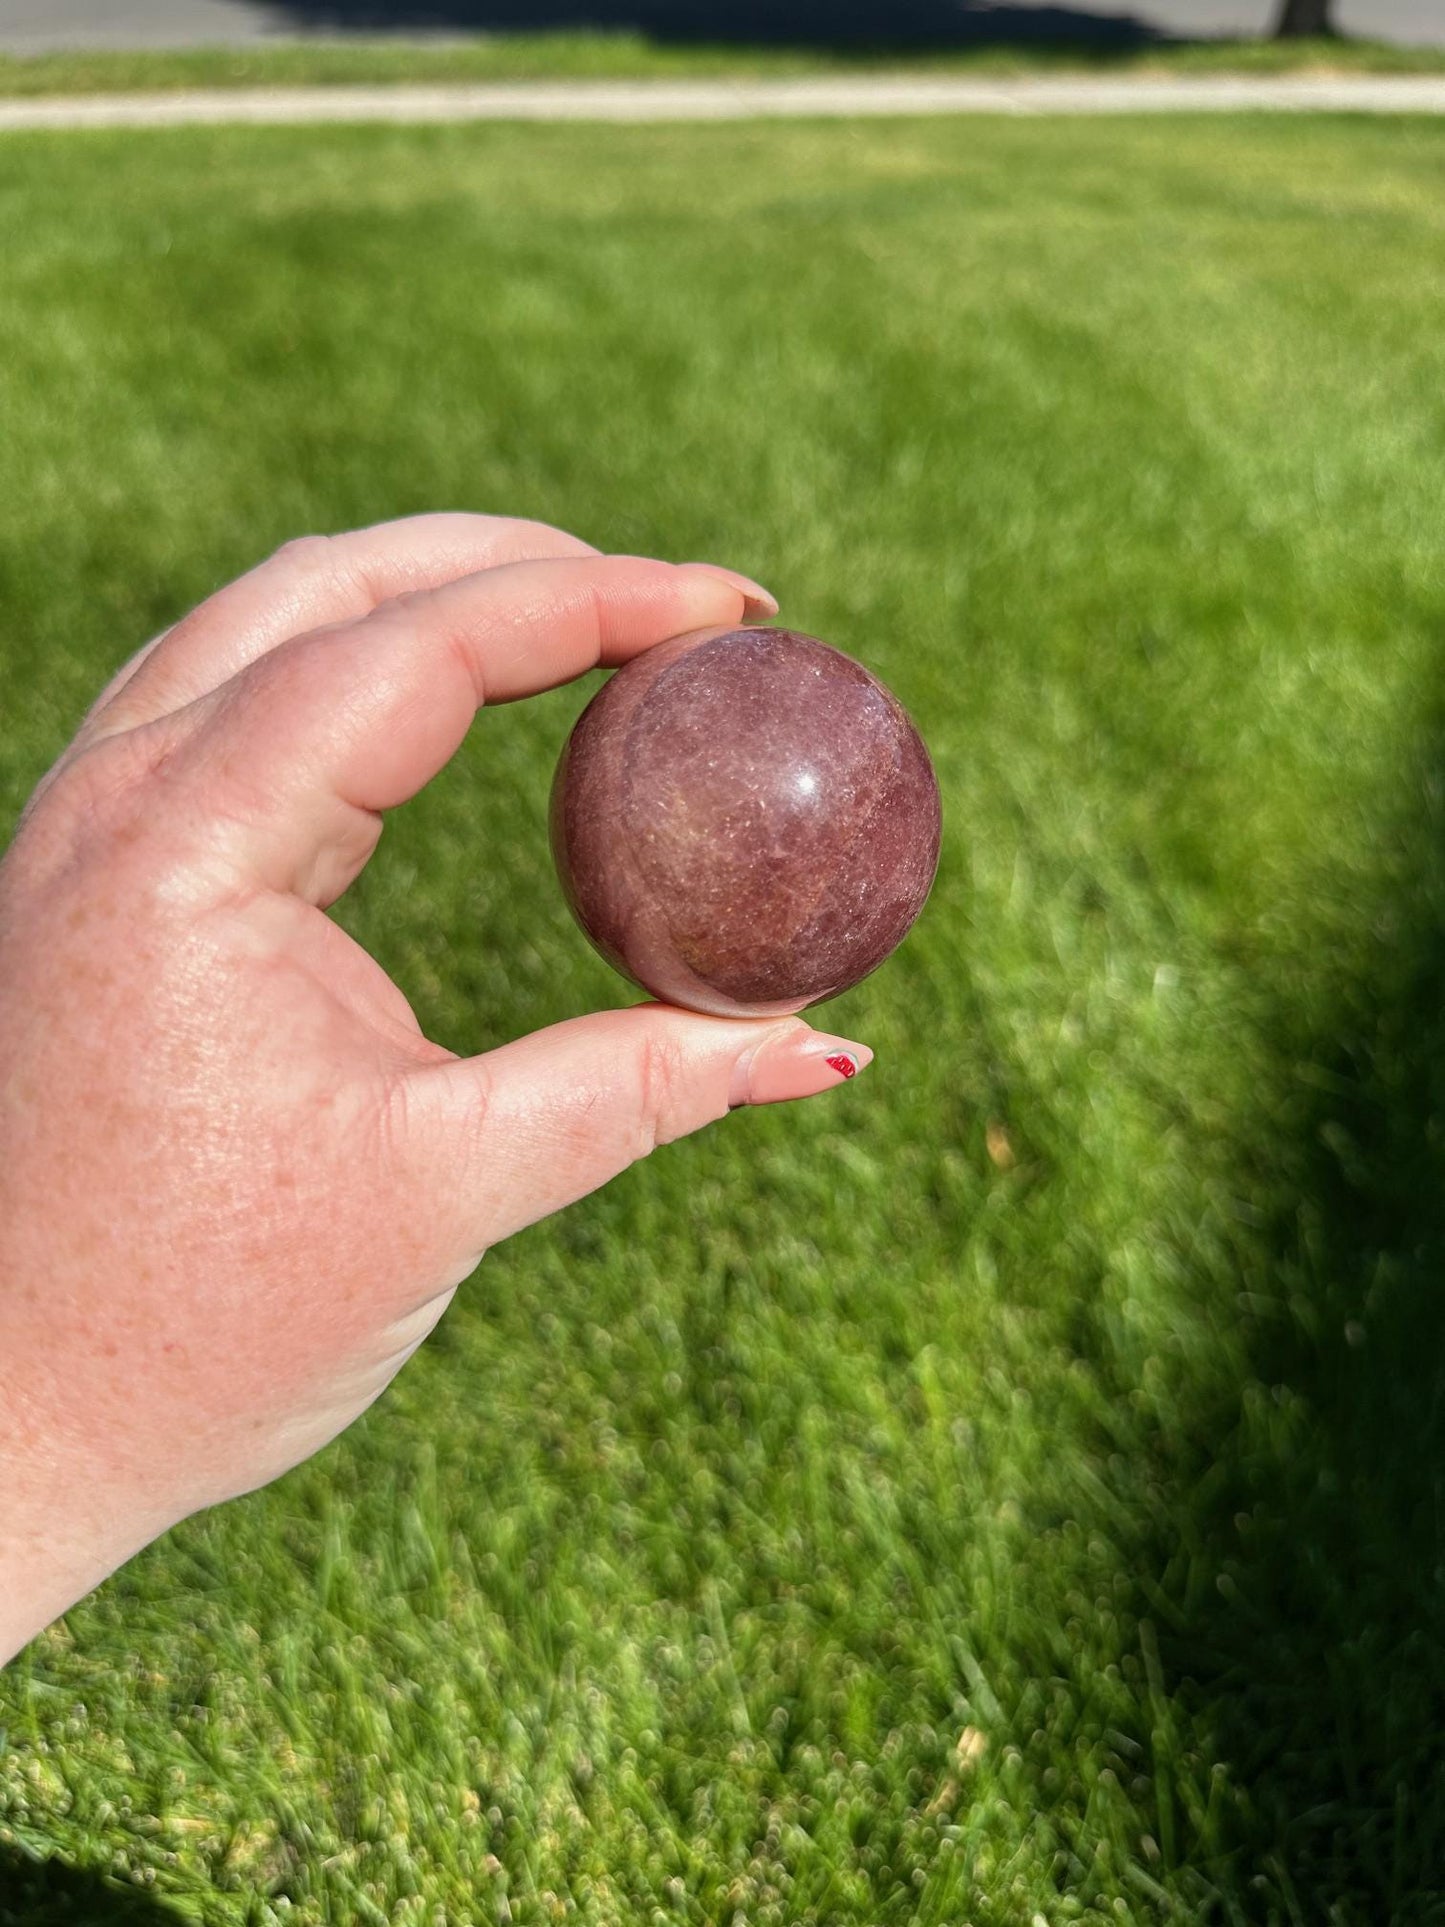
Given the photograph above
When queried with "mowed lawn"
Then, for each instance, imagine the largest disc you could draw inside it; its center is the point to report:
(1011, 1489)
(599, 54)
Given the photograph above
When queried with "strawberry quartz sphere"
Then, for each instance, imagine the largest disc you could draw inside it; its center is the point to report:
(745, 821)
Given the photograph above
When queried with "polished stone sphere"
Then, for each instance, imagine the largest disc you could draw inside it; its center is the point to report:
(745, 821)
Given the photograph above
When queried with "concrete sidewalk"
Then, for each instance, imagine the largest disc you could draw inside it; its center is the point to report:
(639, 101)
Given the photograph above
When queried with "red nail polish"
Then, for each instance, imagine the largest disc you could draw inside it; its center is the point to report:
(796, 1062)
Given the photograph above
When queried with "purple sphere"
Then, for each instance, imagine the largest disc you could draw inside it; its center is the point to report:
(745, 821)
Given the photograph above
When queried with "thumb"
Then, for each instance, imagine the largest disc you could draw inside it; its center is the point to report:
(521, 1131)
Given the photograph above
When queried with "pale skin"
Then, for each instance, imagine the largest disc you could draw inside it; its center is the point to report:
(238, 1186)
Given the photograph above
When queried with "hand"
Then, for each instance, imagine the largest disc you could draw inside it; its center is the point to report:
(238, 1187)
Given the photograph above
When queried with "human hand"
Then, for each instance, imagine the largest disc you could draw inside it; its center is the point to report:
(238, 1186)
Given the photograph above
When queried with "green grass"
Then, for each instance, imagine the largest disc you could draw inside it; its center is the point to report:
(1009, 1490)
(602, 56)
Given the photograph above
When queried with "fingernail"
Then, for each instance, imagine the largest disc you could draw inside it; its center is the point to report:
(757, 603)
(799, 1063)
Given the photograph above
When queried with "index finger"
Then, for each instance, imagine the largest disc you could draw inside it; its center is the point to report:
(312, 580)
(352, 720)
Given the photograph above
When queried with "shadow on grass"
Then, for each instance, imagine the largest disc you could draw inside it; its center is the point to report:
(47, 1893)
(865, 24)
(1315, 1636)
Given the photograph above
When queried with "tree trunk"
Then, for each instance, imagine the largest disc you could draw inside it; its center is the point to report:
(1299, 17)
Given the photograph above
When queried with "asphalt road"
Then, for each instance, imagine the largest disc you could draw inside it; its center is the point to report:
(32, 26)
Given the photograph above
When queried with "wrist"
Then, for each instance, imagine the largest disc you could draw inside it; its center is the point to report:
(65, 1522)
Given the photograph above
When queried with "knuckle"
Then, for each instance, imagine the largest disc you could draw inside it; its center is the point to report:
(93, 801)
(309, 553)
(337, 562)
(96, 779)
(340, 563)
